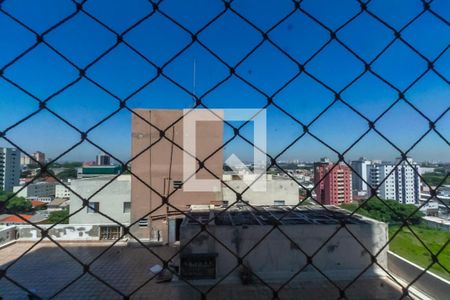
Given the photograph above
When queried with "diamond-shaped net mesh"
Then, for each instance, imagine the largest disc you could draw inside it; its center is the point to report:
(306, 62)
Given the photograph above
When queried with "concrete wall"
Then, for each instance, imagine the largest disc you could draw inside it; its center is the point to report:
(277, 189)
(61, 191)
(428, 283)
(110, 199)
(61, 232)
(7, 235)
(276, 258)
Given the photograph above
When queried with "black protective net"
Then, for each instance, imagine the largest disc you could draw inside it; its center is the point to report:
(157, 11)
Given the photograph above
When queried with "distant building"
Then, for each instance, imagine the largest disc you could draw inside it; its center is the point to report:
(42, 191)
(62, 192)
(103, 160)
(39, 157)
(58, 204)
(95, 171)
(279, 191)
(359, 176)
(333, 183)
(401, 183)
(9, 168)
(113, 200)
(25, 160)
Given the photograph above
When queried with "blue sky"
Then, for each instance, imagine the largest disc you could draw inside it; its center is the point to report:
(41, 72)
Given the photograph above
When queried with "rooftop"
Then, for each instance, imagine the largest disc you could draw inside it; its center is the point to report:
(126, 268)
(14, 219)
(270, 215)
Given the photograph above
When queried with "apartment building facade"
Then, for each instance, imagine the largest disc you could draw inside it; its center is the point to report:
(9, 168)
(333, 183)
(103, 160)
(401, 183)
(39, 157)
(112, 197)
(43, 191)
(359, 178)
(158, 170)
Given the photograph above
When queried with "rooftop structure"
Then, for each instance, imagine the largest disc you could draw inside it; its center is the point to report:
(127, 268)
(277, 256)
(112, 199)
(278, 190)
(93, 171)
(159, 164)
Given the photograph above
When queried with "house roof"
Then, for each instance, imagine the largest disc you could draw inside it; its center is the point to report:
(15, 219)
(36, 203)
(57, 202)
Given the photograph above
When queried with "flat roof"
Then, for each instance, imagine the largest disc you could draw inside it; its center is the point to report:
(127, 268)
(272, 215)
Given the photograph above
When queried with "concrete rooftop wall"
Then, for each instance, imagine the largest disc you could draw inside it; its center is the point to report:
(277, 258)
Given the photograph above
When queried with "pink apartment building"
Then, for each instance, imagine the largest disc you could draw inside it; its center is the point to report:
(336, 185)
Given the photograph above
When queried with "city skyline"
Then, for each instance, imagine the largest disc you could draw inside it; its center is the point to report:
(41, 72)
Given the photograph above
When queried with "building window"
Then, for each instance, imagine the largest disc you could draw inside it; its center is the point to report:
(177, 184)
(279, 202)
(143, 222)
(93, 207)
(109, 232)
(126, 207)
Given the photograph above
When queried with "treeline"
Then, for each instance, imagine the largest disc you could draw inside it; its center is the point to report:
(15, 204)
(394, 214)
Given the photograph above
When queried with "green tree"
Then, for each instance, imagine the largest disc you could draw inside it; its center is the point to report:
(57, 216)
(391, 211)
(67, 174)
(15, 204)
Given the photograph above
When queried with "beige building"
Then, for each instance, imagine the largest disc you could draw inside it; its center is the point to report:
(158, 167)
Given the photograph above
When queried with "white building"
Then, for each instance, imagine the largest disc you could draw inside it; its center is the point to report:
(114, 200)
(279, 191)
(401, 184)
(9, 168)
(62, 192)
(43, 191)
(25, 160)
(360, 168)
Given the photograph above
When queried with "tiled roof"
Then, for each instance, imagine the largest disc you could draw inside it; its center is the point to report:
(36, 203)
(15, 219)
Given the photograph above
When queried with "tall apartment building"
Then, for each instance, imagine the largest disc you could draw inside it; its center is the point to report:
(25, 160)
(39, 156)
(359, 177)
(400, 183)
(335, 186)
(9, 168)
(103, 160)
(158, 167)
